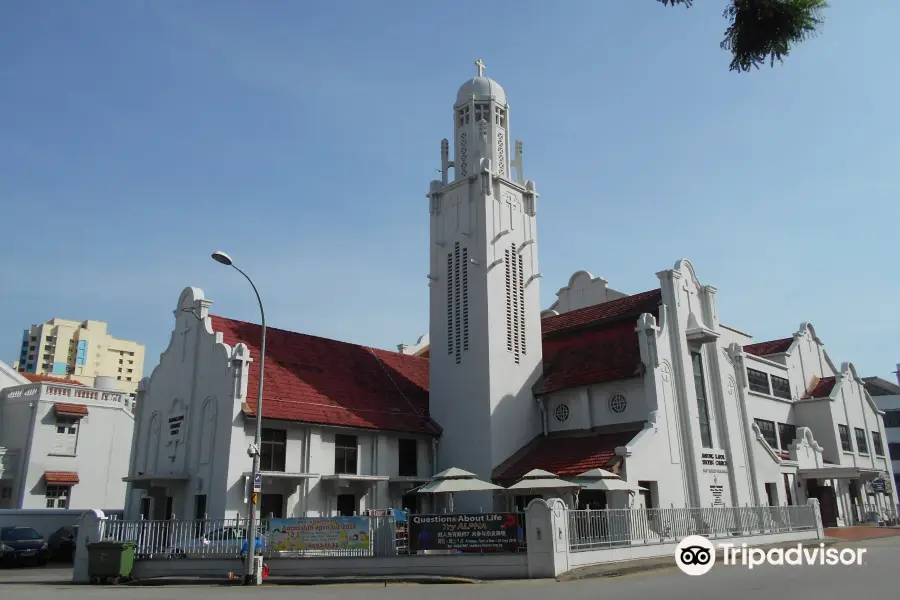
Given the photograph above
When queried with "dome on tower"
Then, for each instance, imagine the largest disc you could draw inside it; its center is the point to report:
(483, 88)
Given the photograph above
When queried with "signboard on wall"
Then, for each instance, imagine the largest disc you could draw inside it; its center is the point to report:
(481, 531)
(714, 475)
(714, 462)
(319, 533)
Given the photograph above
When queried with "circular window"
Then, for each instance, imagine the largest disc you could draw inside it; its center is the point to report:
(562, 412)
(618, 403)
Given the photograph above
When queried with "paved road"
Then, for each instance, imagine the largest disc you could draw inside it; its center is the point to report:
(877, 576)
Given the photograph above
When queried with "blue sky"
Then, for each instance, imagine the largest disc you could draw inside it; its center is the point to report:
(300, 137)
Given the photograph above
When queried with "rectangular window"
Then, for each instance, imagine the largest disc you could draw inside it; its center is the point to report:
(145, 508)
(789, 493)
(767, 429)
(759, 381)
(408, 451)
(844, 432)
(345, 454)
(876, 444)
(199, 510)
(702, 407)
(892, 418)
(894, 450)
(781, 387)
(787, 433)
(771, 494)
(273, 450)
(66, 437)
(862, 444)
(57, 496)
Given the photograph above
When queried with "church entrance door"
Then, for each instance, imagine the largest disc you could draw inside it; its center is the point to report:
(827, 501)
(272, 505)
(347, 506)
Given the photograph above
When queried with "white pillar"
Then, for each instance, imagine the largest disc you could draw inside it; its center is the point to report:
(90, 530)
(547, 536)
(820, 528)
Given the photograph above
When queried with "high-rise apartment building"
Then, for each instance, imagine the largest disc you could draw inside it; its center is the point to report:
(83, 350)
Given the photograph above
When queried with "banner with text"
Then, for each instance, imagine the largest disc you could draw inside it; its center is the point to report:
(319, 533)
(482, 531)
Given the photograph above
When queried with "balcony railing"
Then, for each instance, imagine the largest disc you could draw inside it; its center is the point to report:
(70, 393)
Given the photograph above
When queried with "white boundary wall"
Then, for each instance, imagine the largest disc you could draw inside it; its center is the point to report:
(548, 553)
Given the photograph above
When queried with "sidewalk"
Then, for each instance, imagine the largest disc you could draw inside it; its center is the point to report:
(617, 569)
(274, 580)
(861, 532)
(628, 567)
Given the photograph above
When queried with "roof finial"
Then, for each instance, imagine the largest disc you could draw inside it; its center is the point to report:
(480, 64)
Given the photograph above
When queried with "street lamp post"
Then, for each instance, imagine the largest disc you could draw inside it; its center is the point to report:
(253, 451)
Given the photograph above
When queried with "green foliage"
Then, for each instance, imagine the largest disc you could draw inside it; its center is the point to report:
(764, 30)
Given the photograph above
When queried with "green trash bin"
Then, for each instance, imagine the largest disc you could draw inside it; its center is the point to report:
(110, 562)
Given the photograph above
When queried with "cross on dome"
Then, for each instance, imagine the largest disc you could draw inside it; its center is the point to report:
(480, 64)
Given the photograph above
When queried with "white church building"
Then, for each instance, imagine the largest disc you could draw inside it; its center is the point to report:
(651, 385)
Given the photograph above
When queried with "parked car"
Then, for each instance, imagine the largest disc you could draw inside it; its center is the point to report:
(222, 540)
(20, 545)
(62, 543)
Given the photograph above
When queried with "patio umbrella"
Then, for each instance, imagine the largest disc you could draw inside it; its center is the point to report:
(598, 479)
(538, 479)
(598, 474)
(612, 485)
(455, 480)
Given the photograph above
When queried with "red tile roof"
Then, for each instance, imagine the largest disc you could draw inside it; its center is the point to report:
(565, 455)
(61, 477)
(594, 344)
(770, 347)
(71, 410)
(37, 378)
(820, 388)
(318, 380)
(587, 357)
(614, 310)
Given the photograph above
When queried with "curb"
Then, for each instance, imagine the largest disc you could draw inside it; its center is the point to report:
(298, 581)
(646, 565)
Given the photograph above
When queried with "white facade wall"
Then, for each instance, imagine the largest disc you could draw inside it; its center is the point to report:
(485, 354)
(669, 453)
(892, 434)
(485, 330)
(204, 380)
(589, 406)
(10, 377)
(98, 450)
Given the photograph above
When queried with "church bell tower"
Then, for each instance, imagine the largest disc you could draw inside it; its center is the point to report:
(485, 328)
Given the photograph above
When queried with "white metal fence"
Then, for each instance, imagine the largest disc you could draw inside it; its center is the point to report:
(201, 538)
(598, 529)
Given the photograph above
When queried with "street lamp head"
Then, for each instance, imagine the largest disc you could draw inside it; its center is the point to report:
(221, 257)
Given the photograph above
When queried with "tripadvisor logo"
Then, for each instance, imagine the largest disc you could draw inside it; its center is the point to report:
(696, 555)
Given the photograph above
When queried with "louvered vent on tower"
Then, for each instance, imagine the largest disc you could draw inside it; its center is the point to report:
(450, 303)
(515, 303)
(457, 301)
(463, 155)
(509, 310)
(465, 299)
